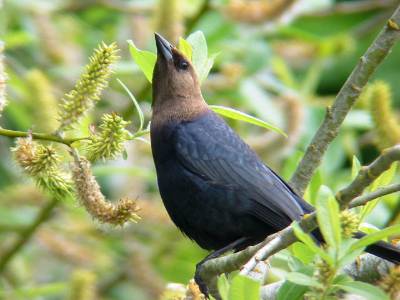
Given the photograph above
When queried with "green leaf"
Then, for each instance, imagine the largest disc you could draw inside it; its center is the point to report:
(146, 60)
(202, 63)
(241, 116)
(363, 289)
(309, 242)
(375, 237)
(328, 217)
(302, 279)
(223, 287)
(291, 290)
(384, 179)
(135, 103)
(294, 263)
(244, 288)
(302, 252)
(356, 167)
(342, 278)
(311, 194)
(346, 254)
(185, 48)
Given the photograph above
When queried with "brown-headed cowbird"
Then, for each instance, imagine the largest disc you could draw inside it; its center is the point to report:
(215, 188)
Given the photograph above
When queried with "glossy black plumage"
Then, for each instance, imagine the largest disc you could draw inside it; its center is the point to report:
(214, 187)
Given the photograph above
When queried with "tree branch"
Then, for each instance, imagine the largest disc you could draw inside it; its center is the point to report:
(27, 233)
(345, 99)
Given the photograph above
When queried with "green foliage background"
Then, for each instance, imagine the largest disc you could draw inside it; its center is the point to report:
(286, 74)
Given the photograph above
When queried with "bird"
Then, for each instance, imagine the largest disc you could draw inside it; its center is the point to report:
(215, 188)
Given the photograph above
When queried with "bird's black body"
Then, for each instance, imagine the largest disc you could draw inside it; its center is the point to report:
(215, 188)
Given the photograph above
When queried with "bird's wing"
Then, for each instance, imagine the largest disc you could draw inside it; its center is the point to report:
(209, 148)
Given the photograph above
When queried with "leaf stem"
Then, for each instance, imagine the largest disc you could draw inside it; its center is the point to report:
(40, 136)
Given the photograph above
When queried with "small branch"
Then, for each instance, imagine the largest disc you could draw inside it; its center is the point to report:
(345, 99)
(368, 174)
(361, 200)
(27, 233)
(39, 136)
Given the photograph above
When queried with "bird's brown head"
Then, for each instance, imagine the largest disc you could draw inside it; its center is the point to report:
(176, 88)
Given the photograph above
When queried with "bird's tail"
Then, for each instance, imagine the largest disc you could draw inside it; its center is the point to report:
(382, 249)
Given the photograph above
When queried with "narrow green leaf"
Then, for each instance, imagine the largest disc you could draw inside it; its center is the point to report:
(207, 67)
(241, 116)
(342, 278)
(146, 60)
(223, 287)
(311, 194)
(356, 167)
(302, 279)
(291, 290)
(328, 217)
(294, 263)
(135, 103)
(375, 237)
(244, 288)
(200, 51)
(384, 179)
(201, 62)
(309, 242)
(302, 252)
(368, 291)
(185, 48)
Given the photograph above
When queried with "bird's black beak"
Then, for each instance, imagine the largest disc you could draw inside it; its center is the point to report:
(164, 48)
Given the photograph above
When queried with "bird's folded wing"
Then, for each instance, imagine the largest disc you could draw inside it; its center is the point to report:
(219, 156)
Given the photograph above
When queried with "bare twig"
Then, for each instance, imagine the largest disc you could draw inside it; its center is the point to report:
(361, 200)
(40, 136)
(27, 233)
(345, 99)
(368, 174)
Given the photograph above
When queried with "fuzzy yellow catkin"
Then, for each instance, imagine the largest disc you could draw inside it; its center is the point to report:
(42, 164)
(169, 19)
(391, 283)
(83, 285)
(109, 142)
(3, 78)
(90, 196)
(350, 222)
(387, 127)
(42, 101)
(87, 90)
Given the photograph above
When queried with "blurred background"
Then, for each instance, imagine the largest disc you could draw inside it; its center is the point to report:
(280, 60)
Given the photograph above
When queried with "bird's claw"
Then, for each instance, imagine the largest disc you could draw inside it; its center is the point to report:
(202, 285)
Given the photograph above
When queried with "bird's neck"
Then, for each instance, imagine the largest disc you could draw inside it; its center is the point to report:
(178, 109)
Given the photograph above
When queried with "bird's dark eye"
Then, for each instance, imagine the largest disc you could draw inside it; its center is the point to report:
(183, 65)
